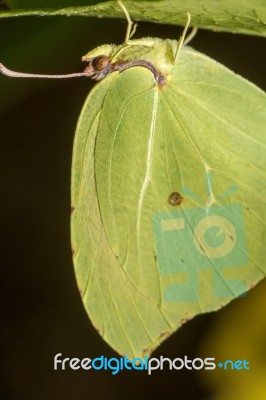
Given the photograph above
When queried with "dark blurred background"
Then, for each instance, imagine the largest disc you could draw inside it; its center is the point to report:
(42, 313)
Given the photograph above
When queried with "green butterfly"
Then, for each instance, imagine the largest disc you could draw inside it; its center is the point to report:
(165, 121)
(168, 189)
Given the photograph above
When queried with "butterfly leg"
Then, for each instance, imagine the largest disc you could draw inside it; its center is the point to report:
(131, 27)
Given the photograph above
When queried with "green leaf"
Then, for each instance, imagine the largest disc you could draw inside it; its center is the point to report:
(228, 15)
(168, 194)
(52, 4)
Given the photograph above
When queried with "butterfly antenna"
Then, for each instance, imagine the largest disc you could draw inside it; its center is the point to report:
(14, 74)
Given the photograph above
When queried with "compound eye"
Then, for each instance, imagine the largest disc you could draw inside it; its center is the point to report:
(100, 63)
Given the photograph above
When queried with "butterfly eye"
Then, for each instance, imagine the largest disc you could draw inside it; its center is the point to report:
(100, 63)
